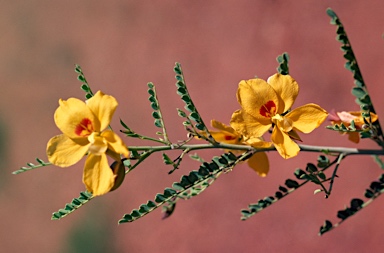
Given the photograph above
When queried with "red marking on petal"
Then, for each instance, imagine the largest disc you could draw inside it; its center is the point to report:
(229, 137)
(268, 109)
(84, 128)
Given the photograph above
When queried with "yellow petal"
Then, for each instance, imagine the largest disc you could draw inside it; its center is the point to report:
(249, 126)
(98, 176)
(98, 144)
(63, 151)
(258, 143)
(220, 126)
(357, 118)
(75, 119)
(307, 117)
(354, 137)
(374, 117)
(114, 142)
(283, 144)
(259, 163)
(284, 123)
(103, 106)
(225, 137)
(286, 88)
(258, 98)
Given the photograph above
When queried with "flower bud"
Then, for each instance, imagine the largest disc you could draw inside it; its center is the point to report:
(119, 171)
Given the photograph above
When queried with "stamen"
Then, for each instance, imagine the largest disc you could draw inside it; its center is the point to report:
(84, 128)
(268, 109)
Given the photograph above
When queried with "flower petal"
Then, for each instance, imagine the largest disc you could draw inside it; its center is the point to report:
(63, 151)
(307, 117)
(354, 137)
(98, 144)
(258, 143)
(222, 127)
(103, 106)
(258, 98)
(98, 176)
(249, 126)
(357, 118)
(283, 144)
(286, 88)
(259, 163)
(115, 144)
(75, 119)
(225, 137)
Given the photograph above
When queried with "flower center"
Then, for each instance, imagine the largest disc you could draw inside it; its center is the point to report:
(268, 109)
(84, 128)
(98, 144)
(285, 124)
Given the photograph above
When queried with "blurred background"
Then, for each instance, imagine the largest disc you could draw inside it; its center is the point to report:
(121, 45)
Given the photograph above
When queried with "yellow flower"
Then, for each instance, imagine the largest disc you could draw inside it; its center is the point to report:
(226, 134)
(346, 118)
(264, 104)
(82, 125)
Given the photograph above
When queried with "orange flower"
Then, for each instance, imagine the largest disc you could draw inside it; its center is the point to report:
(346, 118)
(83, 126)
(264, 105)
(226, 134)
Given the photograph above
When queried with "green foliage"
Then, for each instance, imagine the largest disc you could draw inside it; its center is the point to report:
(283, 60)
(32, 166)
(73, 206)
(379, 161)
(189, 185)
(360, 90)
(156, 114)
(196, 157)
(130, 133)
(312, 174)
(84, 84)
(194, 115)
(196, 181)
(343, 128)
(375, 189)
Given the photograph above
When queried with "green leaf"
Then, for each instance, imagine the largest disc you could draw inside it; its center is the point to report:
(178, 187)
(73, 206)
(156, 115)
(81, 78)
(181, 113)
(151, 204)
(299, 173)
(311, 168)
(189, 186)
(85, 88)
(358, 92)
(169, 192)
(331, 13)
(326, 227)
(158, 123)
(150, 86)
(160, 198)
(32, 166)
(291, 183)
(166, 159)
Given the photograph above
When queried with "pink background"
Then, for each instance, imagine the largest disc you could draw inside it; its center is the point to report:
(122, 45)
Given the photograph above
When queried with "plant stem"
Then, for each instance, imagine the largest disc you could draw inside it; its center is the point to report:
(304, 148)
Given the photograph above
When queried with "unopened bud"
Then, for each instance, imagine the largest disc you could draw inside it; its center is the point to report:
(119, 171)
